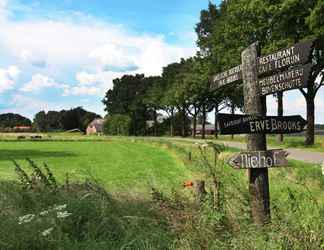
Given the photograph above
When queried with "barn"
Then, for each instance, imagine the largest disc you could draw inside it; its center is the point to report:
(95, 127)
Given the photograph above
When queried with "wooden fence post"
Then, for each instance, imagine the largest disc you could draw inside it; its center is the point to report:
(254, 104)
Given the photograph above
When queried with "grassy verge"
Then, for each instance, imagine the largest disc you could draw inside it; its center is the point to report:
(95, 219)
(289, 142)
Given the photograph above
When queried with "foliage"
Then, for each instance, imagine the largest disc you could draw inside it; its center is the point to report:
(76, 118)
(11, 120)
(129, 97)
(117, 125)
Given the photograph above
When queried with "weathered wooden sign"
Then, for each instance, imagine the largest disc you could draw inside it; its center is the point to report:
(290, 79)
(259, 159)
(229, 76)
(294, 55)
(250, 124)
(297, 54)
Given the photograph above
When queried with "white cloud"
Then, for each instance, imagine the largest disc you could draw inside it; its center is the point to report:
(81, 90)
(8, 78)
(39, 82)
(62, 45)
(116, 58)
(37, 61)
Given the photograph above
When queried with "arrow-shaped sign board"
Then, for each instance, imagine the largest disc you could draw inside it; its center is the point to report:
(259, 159)
(249, 124)
(295, 78)
(297, 54)
(294, 55)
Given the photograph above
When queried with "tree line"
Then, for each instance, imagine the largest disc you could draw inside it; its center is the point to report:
(75, 118)
(183, 90)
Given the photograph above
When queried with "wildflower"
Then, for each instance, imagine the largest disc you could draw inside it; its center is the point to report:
(26, 218)
(323, 168)
(203, 146)
(59, 207)
(63, 214)
(47, 231)
(45, 212)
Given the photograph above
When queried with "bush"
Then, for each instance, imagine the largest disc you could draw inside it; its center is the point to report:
(117, 125)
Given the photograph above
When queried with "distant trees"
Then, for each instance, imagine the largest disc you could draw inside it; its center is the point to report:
(117, 125)
(11, 120)
(129, 96)
(63, 120)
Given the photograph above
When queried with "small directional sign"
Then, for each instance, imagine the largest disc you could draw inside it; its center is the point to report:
(250, 124)
(259, 159)
(291, 79)
(297, 54)
(229, 76)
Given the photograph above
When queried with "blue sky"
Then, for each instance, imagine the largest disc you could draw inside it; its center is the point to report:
(63, 54)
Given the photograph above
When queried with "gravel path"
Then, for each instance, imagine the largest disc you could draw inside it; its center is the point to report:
(295, 154)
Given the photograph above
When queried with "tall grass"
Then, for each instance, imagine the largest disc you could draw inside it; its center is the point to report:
(40, 213)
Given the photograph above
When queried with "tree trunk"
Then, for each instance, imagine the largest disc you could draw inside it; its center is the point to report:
(310, 131)
(184, 133)
(194, 124)
(280, 113)
(155, 123)
(171, 123)
(203, 132)
(233, 113)
(216, 112)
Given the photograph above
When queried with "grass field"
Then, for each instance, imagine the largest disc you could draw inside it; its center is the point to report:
(170, 218)
(117, 163)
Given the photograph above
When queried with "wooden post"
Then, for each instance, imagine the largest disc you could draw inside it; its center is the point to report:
(255, 104)
(200, 190)
(280, 113)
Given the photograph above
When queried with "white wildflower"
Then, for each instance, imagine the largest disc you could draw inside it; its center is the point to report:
(60, 207)
(45, 212)
(322, 168)
(63, 214)
(26, 218)
(204, 146)
(47, 231)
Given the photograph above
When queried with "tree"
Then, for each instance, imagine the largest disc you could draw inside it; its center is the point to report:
(64, 119)
(11, 120)
(117, 125)
(127, 98)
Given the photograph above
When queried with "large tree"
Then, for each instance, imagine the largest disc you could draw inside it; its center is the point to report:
(127, 98)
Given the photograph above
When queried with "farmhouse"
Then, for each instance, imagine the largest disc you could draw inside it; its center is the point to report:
(95, 127)
(209, 129)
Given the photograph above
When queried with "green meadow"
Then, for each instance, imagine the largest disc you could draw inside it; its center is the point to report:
(118, 164)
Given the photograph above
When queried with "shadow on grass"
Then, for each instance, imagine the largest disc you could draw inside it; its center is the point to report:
(12, 154)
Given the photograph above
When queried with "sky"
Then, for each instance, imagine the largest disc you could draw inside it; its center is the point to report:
(60, 54)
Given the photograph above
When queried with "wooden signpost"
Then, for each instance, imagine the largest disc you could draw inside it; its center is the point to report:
(259, 159)
(289, 71)
(250, 124)
(297, 54)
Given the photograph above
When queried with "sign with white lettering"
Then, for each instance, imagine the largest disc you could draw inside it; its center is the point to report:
(291, 79)
(259, 159)
(297, 54)
(249, 124)
(229, 76)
